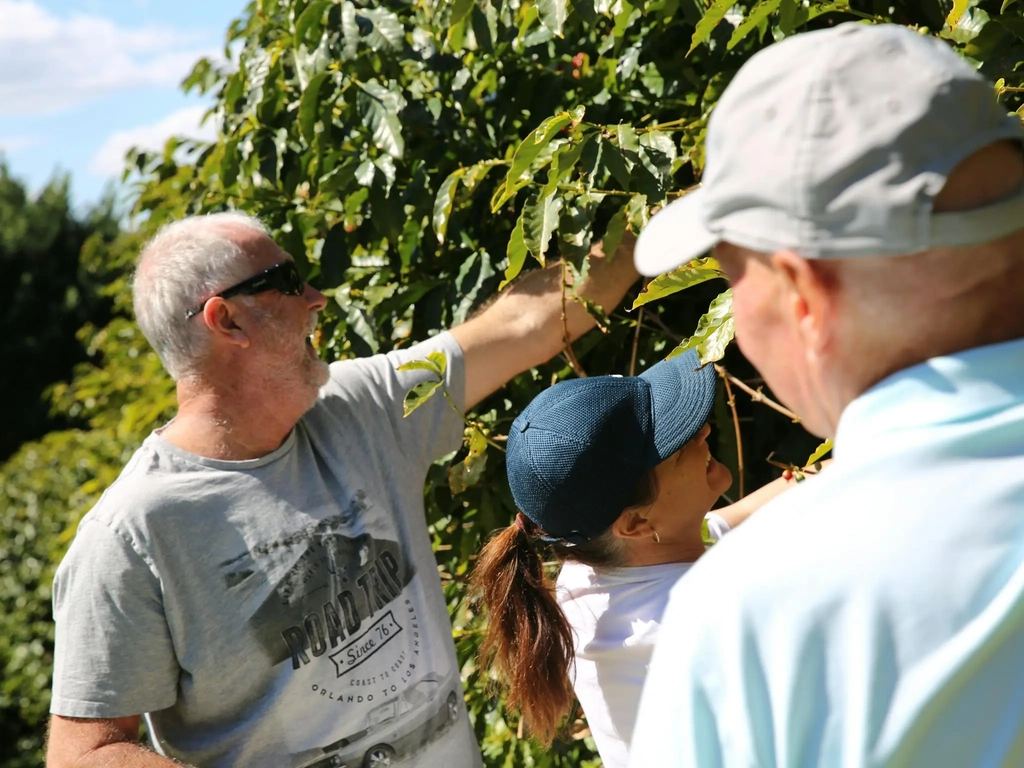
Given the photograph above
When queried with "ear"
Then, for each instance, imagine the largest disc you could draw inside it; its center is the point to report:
(632, 524)
(222, 318)
(810, 297)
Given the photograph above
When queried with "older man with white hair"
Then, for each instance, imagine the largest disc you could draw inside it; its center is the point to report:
(259, 582)
(864, 194)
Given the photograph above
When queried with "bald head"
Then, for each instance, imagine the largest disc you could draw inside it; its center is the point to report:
(184, 262)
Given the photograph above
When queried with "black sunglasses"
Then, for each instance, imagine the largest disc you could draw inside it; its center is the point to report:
(284, 278)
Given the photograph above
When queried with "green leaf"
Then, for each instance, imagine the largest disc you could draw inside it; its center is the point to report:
(553, 14)
(419, 394)
(540, 222)
(758, 13)
(596, 312)
(388, 31)
(563, 162)
(819, 453)
(637, 213)
(443, 203)
(714, 331)
(627, 138)
(365, 173)
(349, 31)
(386, 165)
(959, 6)
(460, 9)
(707, 24)
(705, 533)
(311, 20)
(420, 365)
(309, 107)
(679, 279)
(1006, 4)
(615, 232)
(440, 360)
(470, 470)
(522, 170)
(516, 251)
(380, 108)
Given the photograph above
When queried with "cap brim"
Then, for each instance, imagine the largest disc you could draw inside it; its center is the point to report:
(682, 396)
(673, 236)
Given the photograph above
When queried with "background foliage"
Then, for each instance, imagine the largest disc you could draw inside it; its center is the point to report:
(412, 157)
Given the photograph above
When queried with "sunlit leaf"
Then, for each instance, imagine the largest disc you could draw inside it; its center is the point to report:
(679, 279)
(380, 108)
(388, 31)
(529, 150)
(309, 106)
(440, 360)
(953, 18)
(819, 453)
(420, 394)
(616, 230)
(310, 20)
(420, 365)
(470, 470)
(540, 220)
(757, 14)
(516, 252)
(715, 330)
(707, 24)
(553, 14)
(443, 203)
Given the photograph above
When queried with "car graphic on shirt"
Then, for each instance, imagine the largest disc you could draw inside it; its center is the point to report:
(398, 727)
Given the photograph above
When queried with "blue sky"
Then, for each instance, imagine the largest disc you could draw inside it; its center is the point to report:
(83, 80)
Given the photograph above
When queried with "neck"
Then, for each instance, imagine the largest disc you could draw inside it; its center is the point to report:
(648, 552)
(229, 421)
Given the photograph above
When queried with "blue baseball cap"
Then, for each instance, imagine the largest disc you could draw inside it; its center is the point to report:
(578, 451)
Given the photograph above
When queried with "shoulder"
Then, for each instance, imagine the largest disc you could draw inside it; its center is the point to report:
(377, 382)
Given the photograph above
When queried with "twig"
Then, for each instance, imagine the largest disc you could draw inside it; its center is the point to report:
(757, 395)
(735, 422)
(566, 338)
(636, 341)
(492, 441)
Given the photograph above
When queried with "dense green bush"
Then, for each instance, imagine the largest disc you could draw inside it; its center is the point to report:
(46, 295)
(411, 157)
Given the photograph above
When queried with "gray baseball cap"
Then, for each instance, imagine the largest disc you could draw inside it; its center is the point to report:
(834, 144)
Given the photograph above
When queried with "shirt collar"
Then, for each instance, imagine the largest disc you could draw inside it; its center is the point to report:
(943, 390)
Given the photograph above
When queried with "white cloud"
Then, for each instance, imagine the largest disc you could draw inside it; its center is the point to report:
(50, 63)
(109, 160)
(11, 144)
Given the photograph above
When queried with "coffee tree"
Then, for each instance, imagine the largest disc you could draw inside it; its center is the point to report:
(416, 157)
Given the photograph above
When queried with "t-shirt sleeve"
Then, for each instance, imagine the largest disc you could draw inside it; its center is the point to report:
(114, 656)
(374, 384)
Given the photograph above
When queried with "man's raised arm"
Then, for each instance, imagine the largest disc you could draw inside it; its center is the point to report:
(523, 327)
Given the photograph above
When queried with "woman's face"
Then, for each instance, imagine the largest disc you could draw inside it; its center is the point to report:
(689, 482)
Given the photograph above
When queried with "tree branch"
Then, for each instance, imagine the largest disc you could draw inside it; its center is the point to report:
(757, 395)
(736, 424)
(566, 337)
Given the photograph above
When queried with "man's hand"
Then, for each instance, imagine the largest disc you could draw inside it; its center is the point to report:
(83, 743)
(523, 327)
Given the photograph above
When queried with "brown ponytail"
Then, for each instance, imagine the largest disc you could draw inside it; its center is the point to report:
(528, 637)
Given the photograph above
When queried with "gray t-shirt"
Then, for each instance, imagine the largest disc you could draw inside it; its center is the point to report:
(279, 612)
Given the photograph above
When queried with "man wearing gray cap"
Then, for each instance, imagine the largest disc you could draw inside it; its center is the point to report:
(864, 193)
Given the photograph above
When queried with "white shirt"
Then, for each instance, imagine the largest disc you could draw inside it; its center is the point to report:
(615, 614)
(874, 615)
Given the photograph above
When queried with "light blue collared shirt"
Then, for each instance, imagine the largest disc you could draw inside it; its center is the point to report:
(874, 615)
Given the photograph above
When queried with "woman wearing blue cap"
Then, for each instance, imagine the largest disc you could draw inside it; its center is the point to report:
(614, 475)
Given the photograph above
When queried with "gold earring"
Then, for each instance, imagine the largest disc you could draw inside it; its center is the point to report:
(656, 537)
